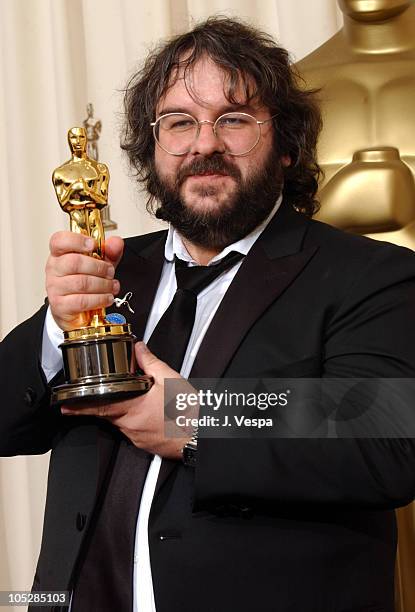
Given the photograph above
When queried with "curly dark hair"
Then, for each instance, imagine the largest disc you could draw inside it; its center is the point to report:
(248, 57)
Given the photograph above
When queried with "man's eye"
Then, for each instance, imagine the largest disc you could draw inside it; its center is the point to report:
(232, 122)
(182, 125)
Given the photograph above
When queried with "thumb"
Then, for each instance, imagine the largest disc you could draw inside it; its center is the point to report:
(114, 247)
(152, 365)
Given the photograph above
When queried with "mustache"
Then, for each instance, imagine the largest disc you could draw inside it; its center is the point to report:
(214, 164)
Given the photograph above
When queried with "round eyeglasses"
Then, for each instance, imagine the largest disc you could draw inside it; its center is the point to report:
(175, 133)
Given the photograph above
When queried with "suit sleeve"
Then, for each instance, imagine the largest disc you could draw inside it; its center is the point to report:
(27, 422)
(370, 334)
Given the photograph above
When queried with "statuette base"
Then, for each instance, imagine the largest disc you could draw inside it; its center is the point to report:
(99, 365)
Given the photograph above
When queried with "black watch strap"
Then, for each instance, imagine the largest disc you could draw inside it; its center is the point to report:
(189, 452)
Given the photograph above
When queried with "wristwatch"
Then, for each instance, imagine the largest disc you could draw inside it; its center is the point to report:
(189, 451)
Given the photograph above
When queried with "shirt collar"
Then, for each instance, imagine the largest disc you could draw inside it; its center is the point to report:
(174, 244)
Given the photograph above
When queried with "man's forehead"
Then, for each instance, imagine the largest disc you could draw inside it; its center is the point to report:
(208, 85)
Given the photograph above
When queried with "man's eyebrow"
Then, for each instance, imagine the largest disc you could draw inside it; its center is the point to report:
(172, 109)
(229, 108)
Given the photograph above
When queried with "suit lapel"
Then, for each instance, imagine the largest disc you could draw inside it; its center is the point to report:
(139, 271)
(271, 266)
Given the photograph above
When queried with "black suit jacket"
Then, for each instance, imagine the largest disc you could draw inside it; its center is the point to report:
(268, 524)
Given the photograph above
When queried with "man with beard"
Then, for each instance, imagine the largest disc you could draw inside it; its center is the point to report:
(223, 137)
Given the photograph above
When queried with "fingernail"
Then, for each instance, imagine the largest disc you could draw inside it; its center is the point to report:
(115, 286)
(110, 299)
(89, 244)
(110, 272)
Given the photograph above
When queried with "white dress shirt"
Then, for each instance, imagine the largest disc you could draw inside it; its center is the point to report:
(208, 301)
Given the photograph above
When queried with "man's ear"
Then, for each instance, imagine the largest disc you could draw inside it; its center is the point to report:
(285, 161)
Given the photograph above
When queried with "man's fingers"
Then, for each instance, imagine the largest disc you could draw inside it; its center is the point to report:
(73, 263)
(67, 306)
(77, 282)
(151, 365)
(62, 243)
(82, 283)
(114, 247)
(70, 242)
(104, 411)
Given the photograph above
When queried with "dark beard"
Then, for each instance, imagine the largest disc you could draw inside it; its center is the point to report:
(247, 208)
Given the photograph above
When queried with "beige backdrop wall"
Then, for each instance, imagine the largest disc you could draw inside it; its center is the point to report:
(55, 57)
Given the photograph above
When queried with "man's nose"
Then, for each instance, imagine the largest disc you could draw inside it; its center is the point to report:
(207, 143)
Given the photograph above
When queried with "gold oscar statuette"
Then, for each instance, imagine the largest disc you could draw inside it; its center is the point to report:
(98, 357)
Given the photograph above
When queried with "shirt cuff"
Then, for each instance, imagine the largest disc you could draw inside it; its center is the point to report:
(51, 360)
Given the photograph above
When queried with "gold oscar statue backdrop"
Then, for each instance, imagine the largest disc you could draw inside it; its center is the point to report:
(366, 73)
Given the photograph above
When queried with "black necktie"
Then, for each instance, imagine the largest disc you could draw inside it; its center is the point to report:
(171, 335)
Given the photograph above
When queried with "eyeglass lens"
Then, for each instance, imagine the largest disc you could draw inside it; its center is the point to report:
(176, 132)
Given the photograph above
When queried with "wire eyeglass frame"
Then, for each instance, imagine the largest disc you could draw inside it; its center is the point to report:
(214, 124)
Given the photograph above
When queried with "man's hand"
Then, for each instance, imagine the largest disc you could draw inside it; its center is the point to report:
(141, 419)
(77, 282)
